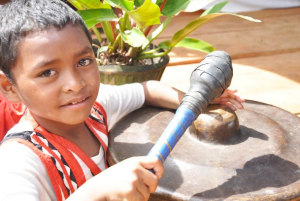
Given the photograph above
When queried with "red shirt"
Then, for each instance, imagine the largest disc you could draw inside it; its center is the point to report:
(10, 114)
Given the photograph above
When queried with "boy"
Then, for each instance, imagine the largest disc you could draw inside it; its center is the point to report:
(58, 149)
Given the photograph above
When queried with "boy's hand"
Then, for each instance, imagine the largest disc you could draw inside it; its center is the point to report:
(131, 178)
(127, 180)
(230, 98)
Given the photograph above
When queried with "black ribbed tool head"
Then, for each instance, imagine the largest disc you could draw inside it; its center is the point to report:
(208, 81)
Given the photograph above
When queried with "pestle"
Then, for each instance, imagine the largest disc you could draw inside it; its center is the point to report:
(208, 81)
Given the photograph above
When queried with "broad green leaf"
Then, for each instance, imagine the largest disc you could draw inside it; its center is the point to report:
(146, 15)
(94, 16)
(157, 2)
(192, 26)
(123, 4)
(92, 4)
(127, 5)
(76, 4)
(195, 44)
(172, 7)
(138, 3)
(133, 37)
(113, 3)
(215, 8)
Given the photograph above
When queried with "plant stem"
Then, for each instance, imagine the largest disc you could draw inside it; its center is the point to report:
(115, 44)
(112, 26)
(148, 29)
(150, 51)
(123, 28)
(123, 25)
(163, 5)
(127, 20)
(108, 32)
(156, 33)
(121, 45)
(96, 32)
(132, 52)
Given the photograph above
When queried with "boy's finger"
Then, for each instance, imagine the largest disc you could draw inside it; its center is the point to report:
(235, 95)
(150, 180)
(228, 104)
(236, 103)
(239, 98)
(143, 189)
(233, 90)
(153, 163)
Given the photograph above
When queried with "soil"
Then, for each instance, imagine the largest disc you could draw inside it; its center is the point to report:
(118, 58)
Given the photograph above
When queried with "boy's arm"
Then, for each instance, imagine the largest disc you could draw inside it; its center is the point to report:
(23, 177)
(162, 95)
(127, 180)
(22, 174)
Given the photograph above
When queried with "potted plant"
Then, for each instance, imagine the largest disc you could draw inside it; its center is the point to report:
(125, 47)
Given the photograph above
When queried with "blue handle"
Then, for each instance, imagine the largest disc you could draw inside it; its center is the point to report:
(182, 119)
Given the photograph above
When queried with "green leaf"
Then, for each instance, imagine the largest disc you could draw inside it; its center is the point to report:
(113, 3)
(192, 26)
(195, 44)
(134, 37)
(158, 2)
(138, 3)
(146, 15)
(94, 16)
(92, 4)
(172, 7)
(214, 9)
(76, 4)
(126, 5)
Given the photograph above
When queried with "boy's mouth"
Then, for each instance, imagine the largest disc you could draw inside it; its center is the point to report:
(76, 101)
(73, 103)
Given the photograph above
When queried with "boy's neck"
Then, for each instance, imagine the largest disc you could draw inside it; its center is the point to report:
(78, 134)
(63, 130)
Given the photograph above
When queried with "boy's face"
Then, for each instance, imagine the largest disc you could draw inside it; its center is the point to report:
(56, 75)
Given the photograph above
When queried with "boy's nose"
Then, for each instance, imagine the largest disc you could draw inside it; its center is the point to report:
(73, 81)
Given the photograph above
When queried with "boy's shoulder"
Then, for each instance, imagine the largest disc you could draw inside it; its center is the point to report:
(22, 126)
(15, 155)
(21, 131)
(21, 163)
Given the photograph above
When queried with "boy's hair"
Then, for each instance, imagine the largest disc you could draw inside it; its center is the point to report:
(21, 17)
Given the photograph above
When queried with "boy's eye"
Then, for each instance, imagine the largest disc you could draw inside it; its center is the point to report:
(48, 73)
(84, 62)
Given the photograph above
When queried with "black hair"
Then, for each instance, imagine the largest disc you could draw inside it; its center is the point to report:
(19, 18)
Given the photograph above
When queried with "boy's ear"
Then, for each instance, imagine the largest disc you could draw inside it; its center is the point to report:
(7, 89)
